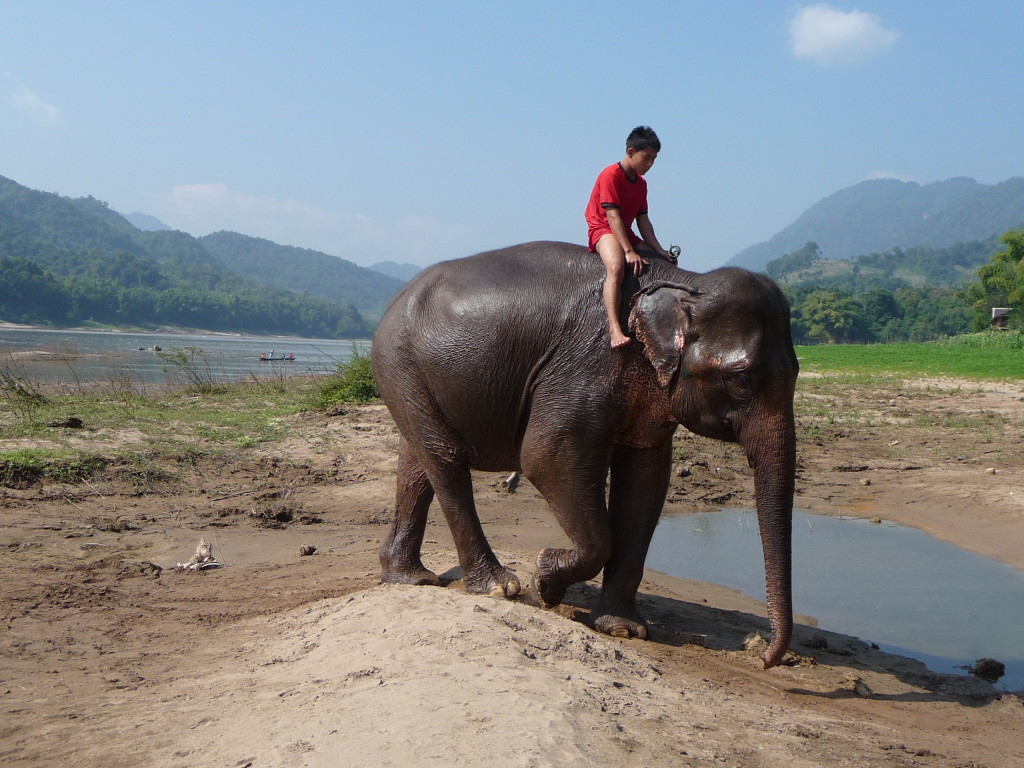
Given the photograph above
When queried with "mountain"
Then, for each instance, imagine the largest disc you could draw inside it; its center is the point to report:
(404, 272)
(891, 270)
(882, 214)
(146, 222)
(74, 261)
(305, 271)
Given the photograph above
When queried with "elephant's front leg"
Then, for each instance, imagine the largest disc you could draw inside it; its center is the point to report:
(639, 483)
(573, 484)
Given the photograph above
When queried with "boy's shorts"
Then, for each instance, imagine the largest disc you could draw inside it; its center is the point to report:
(598, 232)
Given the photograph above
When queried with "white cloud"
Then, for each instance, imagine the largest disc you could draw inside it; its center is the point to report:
(33, 107)
(828, 36)
(200, 209)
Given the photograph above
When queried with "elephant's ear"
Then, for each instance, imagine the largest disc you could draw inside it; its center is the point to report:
(660, 319)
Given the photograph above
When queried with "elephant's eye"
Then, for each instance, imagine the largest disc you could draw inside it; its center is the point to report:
(738, 386)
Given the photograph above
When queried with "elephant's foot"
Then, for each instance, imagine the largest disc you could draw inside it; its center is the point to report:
(495, 580)
(617, 616)
(420, 577)
(549, 578)
(618, 626)
(406, 570)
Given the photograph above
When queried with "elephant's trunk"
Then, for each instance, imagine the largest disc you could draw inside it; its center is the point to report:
(771, 448)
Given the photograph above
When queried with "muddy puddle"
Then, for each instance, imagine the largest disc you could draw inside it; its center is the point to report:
(887, 584)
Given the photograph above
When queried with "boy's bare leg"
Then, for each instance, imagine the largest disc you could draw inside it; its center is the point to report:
(615, 264)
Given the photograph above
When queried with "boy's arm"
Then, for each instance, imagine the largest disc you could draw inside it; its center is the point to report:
(646, 230)
(633, 259)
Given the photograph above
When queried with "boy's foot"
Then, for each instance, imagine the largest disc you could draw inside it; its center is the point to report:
(620, 341)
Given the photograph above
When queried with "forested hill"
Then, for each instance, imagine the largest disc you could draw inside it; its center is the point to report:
(881, 215)
(304, 270)
(892, 270)
(67, 261)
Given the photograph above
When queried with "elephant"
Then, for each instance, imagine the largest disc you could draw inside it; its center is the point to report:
(501, 361)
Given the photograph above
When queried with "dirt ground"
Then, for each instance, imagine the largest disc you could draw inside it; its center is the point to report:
(109, 656)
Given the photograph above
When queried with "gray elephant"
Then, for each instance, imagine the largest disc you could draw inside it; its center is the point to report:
(501, 361)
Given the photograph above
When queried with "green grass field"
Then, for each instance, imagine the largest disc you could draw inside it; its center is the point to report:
(997, 356)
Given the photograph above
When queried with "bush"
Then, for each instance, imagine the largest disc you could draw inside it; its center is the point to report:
(192, 365)
(21, 394)
(352, 382)
(24, 467)
(988, 340)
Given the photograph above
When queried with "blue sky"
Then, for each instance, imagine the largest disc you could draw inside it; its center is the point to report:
(417, 132)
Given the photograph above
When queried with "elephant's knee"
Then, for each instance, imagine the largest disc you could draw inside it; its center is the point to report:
(593, 557)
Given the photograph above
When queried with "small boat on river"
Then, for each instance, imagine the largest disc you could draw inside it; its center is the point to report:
(272, 358)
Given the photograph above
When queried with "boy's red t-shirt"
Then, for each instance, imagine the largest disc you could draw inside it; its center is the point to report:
(614, 189)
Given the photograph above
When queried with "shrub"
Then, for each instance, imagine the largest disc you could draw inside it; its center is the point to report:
(23, 395)
(192, 365)
(24, 467)
(352, 382)
(988, 340)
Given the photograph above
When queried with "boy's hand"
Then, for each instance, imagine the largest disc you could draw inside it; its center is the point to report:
(636, 261)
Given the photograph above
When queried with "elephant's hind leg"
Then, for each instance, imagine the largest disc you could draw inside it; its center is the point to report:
(400, 561)
(481, 571)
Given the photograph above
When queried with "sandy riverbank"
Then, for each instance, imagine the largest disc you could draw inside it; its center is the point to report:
(283, 660)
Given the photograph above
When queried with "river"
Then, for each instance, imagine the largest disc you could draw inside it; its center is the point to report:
(78, 357)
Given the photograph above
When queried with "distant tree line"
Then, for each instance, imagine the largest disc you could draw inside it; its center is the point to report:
(128, 290)
(830, 315)
(75, 262)
(849, 304)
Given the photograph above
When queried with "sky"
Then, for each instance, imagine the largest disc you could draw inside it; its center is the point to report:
(422, 131)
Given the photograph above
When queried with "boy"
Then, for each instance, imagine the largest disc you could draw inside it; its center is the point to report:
(619, 198)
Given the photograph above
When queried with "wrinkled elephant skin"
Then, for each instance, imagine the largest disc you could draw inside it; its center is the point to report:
(501, 361)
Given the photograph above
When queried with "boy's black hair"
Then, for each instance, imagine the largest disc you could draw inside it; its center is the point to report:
(643, 137)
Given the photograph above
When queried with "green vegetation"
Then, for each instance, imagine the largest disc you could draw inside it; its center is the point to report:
(194, 367)
(151, 438)
(352, 382)
(1001, 283)
(236, 414)
(991, 355)
(305, 271)
(891, 270)
(829, 315)
(75, 262)
(22, 396)
(881, 214)
(988, 340)
(863, 311)
(29, 465)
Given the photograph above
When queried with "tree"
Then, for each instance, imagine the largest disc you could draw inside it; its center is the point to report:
(29, 294)
(828, 317)
(880, 311)
(794, 262)
(1001, 283)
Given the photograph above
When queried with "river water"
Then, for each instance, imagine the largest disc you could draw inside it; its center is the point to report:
(898, 587)
(74, 357)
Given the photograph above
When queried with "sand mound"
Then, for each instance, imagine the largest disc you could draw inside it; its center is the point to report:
(417, 676)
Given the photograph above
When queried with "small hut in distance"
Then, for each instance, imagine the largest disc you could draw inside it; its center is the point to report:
(1000, 317)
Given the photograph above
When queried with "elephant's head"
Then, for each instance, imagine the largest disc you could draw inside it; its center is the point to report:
(720, 344)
